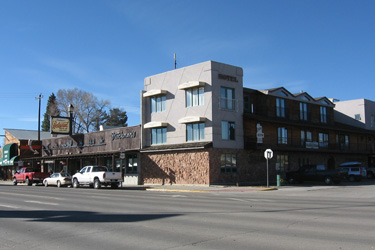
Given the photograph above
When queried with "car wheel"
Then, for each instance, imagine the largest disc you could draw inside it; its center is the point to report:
(370, 175)
(45, 183)
(28, 182)
(352, 178)
(14, 181)
(58, 184)
(328, 180)
(75, 183)
(96, 184)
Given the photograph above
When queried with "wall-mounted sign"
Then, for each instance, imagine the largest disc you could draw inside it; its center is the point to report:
(60, 125)
(228, 78)
(260, 134)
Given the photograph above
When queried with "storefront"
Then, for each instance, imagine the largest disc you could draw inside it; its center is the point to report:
(9, 161)
(117, 149)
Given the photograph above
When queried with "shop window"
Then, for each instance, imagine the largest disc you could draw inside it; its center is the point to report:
(228, 130)
(195, 131)
(228, 163)
(158, 135)
(132, 164)
(282, 163)
(194, 97)
(158, 103)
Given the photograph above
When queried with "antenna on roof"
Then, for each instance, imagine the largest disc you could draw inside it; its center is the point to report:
(175, 61)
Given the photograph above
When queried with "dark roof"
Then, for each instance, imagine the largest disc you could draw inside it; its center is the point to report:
(22, 134)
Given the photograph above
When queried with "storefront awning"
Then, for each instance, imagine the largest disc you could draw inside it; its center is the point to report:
(10, 156)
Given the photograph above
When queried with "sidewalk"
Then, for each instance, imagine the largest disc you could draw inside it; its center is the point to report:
(185, 188)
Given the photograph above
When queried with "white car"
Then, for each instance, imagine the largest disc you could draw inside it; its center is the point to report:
(58, 179)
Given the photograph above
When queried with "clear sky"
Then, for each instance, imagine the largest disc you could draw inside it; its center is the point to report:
(107, 47)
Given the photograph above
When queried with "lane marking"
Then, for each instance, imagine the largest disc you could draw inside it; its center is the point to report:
(43, 203)
(8, 206)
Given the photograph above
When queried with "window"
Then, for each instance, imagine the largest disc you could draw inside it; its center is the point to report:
(303, 108)
(195, 131)
(158, 135)
(282, 135)
(194, 97)
(357, 117)
(323, 115)
(227, 99)
(158, 103)
(228, 130)
(343, 141)
(228, 163)
(282, 163)
(323, 140)
(132, 164)
(280, 107)
(306, 136)
(248, 106)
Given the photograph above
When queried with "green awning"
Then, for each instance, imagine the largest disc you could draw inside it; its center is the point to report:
(10, 157)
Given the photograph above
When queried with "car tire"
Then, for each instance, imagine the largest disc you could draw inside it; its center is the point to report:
(45, 183)
(14, 181)
(58, 184)
(352, 178)
(75, 183)
(28, 182)
(370, 175)
(97, 184)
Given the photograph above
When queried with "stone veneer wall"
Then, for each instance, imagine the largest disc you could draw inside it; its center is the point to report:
(183, 167)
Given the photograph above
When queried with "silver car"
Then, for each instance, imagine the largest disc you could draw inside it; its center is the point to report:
(58, 179)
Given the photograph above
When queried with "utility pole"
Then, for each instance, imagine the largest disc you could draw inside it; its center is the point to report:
(40, 101)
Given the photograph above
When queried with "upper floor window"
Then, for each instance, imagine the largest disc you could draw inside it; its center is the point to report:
(194, 97)
(303, 108)
(280, 107)
(343, 141)
(158, 103)
(227, 98)
(195, 131)
(282, 135)
(306, 136)
(228, 130)
(323, 114)
(248, 106)
(158, 135)
(323, 140)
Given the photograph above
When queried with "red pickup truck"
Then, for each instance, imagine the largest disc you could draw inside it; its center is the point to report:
(29, 176)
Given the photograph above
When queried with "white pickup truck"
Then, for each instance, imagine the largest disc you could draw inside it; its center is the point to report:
(96, 176)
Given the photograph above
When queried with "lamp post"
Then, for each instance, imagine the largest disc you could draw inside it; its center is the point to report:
(40, 99)
(71, 110)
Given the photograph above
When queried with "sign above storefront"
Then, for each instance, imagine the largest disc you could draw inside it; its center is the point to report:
(228, 78)
(60, 125)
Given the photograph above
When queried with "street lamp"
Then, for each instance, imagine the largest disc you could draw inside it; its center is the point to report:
(71, 110)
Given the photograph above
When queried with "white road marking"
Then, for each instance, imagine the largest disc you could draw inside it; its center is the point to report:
(8, 206)
(43, 203)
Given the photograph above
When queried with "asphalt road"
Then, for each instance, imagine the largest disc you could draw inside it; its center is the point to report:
(322, 217)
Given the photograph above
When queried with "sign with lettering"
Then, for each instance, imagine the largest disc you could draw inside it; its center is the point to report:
(60, 125)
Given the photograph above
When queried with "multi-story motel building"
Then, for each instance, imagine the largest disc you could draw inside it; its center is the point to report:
(201, 126)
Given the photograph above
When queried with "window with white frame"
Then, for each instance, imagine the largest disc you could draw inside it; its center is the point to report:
(227, 98)
(158, 135)
(303, 108)
(158, 103)
(228, 163)
(323, 114)
(280, 107)
(282, 135)
(195, 131)
(228, 130)
(194, 97)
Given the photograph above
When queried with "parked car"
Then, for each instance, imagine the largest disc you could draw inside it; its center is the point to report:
(315, 173)
(58, 179)
(355, 170)
(29, 176)
(96, 176)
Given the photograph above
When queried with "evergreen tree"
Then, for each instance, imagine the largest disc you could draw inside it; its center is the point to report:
(116, 117)
(51, 110)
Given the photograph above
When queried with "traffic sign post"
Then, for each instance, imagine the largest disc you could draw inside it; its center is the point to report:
(268, 154)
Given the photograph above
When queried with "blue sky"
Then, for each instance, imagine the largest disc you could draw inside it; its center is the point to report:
(108, 47)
